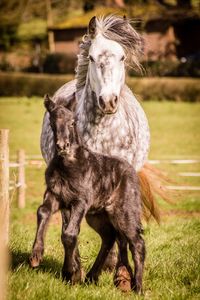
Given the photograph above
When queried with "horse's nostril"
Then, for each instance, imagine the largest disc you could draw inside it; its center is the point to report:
(113, 102)
(58, 145)
(67, 144)
(101, 102)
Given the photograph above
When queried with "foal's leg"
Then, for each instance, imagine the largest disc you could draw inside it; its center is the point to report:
(101, 224)
(65, 221)
(44, 212)
(129, 228)
(111, 260)
(123, 277)
(125, 218)
(137, 248)
(71, 270)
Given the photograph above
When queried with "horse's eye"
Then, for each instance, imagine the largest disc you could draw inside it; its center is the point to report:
(91, 58)
(122, 58)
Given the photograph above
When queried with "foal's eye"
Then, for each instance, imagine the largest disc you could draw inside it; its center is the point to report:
(91, 58)
(122, 58)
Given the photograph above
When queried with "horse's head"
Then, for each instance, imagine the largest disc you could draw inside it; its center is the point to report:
(62, 124)
(112, 42)
(106, 71)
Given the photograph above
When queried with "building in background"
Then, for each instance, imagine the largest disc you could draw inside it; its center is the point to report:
(168, 37)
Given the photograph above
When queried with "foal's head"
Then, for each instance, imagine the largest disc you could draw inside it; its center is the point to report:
(62, 124)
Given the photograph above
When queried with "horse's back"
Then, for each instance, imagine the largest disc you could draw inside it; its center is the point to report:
(66, 91)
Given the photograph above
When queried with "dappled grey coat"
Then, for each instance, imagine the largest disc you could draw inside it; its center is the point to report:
(124, 134)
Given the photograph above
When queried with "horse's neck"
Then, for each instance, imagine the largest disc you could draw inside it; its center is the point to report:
(87, 108)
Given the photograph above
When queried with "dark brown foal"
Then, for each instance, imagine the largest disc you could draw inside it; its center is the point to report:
(103, 189)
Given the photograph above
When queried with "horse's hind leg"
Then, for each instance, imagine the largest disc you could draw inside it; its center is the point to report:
(131, 232)
(101, 224)
(137, 248)
(44, 212)
(123, 276)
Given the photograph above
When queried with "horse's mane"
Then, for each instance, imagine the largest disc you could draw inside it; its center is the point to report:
(114, 28)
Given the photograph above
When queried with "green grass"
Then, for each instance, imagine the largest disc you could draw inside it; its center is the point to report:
(174, 129)
(172, 269)
(23, 116)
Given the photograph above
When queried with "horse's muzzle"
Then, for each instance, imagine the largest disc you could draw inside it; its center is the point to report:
(62, 148)
(108, 105)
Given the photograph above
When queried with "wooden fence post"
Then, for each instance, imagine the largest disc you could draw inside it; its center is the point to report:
(4, 210)
(21, 179)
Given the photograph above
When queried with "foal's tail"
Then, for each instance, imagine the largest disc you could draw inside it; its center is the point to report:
(153, 183)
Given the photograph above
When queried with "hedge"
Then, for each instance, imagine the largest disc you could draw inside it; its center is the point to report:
(26, 84)
(175, 89)
(165, 88)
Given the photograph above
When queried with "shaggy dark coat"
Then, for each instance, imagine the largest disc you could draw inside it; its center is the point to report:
(103, 189)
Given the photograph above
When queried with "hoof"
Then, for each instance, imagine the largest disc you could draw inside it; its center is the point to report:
(122, 279)
(78, 276)
(73, 278)
(35, 259)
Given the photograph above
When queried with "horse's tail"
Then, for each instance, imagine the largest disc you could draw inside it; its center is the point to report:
(153, 183)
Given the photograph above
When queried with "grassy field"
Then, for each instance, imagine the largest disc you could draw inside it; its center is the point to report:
(172, 269)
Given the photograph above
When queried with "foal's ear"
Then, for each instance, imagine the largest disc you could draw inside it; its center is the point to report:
(70, 104)
(48, 103)
(92, 26)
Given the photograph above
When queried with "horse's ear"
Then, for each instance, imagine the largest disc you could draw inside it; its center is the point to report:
(48, 103)
(126, 21)
(92, 26)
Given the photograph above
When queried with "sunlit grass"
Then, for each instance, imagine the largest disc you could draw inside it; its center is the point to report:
(173, 250)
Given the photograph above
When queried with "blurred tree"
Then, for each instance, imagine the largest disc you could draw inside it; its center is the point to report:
(179, 3)
(88, 5)
(10, 17)
(184, 3)
(165, 3)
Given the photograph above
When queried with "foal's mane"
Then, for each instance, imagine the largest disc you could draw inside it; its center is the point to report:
(114, 28)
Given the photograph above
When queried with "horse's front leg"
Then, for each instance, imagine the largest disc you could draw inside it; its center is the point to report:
(44, 212)
(71, 226)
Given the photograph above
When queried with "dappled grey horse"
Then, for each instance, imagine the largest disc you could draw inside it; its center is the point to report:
(109, 118)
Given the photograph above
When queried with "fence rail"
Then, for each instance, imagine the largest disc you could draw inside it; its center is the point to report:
(20, 185)
(37, 161)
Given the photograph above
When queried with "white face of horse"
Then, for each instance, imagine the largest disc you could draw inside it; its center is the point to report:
(106, 72)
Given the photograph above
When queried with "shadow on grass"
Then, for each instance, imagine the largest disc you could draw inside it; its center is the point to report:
(48, 265)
